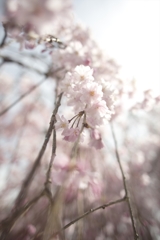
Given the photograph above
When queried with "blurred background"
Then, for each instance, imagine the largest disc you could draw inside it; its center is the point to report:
(129, 31)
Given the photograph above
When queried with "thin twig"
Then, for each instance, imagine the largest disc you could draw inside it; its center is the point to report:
(48, 174)
(47, 184)
(93, 210)
(29, 177)
(136, 237)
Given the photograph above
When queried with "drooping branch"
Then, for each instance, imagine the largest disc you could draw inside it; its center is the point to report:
(136, 237)
(93, 210)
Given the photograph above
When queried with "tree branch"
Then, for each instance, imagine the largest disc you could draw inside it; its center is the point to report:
(8, 223)
(29, 177)
(48, 174)
(93, 210)
(136, 237)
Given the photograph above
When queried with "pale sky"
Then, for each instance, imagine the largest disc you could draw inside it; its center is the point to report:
(129, 30)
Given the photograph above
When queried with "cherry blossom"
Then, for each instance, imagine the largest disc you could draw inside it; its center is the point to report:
(78, 171)
(71, 134)
(61, 122)
(92, 93)
(83, 74)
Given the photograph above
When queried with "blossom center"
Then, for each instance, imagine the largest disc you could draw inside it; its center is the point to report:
(82, 77)
(92, 93)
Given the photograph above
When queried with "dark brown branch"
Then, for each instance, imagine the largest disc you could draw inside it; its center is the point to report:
(136, 237)
(93, 210)
(29, 177)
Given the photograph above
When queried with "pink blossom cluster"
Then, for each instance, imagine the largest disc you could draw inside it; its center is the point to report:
(89, 99)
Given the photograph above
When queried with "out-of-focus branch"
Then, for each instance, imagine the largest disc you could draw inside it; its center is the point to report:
(29, 177)
(136, 237)
(27, 93)
(4, 37)
(22, 97)
(7, 59)
(7, 224)
(93, 210)
(54, 219)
